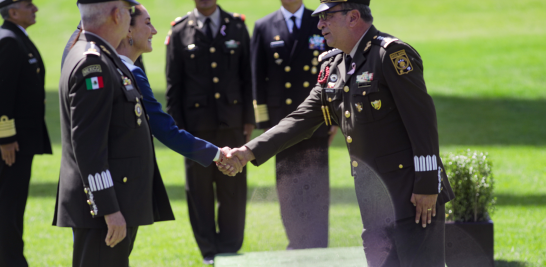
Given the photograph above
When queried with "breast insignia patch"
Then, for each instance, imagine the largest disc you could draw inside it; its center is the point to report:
(401, 62)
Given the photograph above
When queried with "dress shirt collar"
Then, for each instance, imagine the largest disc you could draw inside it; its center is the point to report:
(353, 52)
(287, 15)
(214, 18)
(22, 29)
(127, 61)
(107, 43)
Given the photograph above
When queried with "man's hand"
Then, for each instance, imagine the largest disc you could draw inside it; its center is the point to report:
(117, 228)
(248, 128)
(8, 152)
(231, 165)
(425, 206)
(243, 154)
(332, 133)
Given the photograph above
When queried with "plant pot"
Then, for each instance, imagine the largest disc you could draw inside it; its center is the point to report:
(469, 244)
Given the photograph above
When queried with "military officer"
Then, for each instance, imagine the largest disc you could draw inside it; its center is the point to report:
(372, 85)
(209, 94)
(109, 182)
(285, 49)
(23, 131)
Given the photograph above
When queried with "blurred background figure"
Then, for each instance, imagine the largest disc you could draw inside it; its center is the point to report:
(23, 131)
(209, 94)
(285, 49)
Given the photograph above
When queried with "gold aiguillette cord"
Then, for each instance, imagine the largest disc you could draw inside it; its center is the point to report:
(324, 113)
(328, 112)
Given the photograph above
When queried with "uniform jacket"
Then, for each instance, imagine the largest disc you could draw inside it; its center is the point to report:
(165, 130)
(209, 81)
(22, 95)
(384, 111)
(108, 162)
(283, 76)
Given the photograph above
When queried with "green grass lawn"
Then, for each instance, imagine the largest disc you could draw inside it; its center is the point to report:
(484, 66)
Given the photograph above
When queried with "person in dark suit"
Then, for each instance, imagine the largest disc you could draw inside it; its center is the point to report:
(372, 85)
(23, 131)
(209, 94)
(109, 182)
(285, 49)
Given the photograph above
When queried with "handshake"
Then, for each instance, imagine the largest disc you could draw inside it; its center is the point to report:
(232, 161)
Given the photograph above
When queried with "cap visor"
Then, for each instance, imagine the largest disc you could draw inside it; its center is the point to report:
(132, 2)
(323, 7)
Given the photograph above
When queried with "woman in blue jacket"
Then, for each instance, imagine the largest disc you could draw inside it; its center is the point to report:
(138, 41)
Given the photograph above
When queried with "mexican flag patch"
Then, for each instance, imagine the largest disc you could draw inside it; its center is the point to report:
(94, 83)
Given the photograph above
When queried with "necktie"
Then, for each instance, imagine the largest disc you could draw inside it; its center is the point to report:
(208, 30)
(295, 30)
(348, 60)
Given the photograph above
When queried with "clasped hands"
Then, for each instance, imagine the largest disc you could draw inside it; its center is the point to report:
(232, 161)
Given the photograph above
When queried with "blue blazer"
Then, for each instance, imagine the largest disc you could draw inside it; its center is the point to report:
(165, 130)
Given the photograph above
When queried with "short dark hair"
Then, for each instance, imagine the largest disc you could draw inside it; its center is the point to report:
(364, 10)
(135, 15)
(4, 11)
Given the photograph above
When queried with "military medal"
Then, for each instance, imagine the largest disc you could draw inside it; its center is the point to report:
(331, 85)
(138, 112)
(359, 106)
(316, 42)
(376, 104)
(333, 78)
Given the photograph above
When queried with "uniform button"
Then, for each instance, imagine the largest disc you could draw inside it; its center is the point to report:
(276, 55)
(192, 56)
(196, 105)
(346, 89)
(93, 213)
(212, 50)
(329, 99)
(125, 179)
(217, 95)
(215, 79)
(314, 70)
(85, 190)
(89, 202)
(287, 68)
(289, 101)
(232, 52)
(38, 70)
(306, 67)
(213, 65)
(347, 114)
(314, 61)
(234, 101)
(137, 99)
(355, 164)
(442, 179)
(316, 53)
(364, 93)
(442, 188)
(401, 166)
(349, 139)
(306, 84)
(287, 85)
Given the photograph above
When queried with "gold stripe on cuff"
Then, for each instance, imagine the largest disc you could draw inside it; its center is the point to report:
(7, 127)
(260, 112)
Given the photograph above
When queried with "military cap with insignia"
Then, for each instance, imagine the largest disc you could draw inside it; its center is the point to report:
(4, 3)
(131, 2)
(327, 4)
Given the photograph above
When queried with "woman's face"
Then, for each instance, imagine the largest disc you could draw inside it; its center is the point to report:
(143, 31)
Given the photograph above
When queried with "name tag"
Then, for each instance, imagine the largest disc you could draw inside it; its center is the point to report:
(364, 84)
(129, 87)
(32, 61)
(277, 44)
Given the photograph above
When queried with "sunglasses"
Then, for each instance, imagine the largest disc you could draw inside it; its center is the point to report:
(324, 15)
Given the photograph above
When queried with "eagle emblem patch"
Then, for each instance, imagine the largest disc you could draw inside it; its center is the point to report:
(401, 62)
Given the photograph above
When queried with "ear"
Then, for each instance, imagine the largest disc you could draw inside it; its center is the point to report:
(354, 17)
(12, 13)
(116, 15)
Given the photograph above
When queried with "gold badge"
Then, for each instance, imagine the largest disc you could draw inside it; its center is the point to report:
(401, 62)
(359, 107)
(376, 104)
(277, 38)
(138, 109)
(139, 121)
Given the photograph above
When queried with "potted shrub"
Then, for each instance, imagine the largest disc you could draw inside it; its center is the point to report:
(469, 229)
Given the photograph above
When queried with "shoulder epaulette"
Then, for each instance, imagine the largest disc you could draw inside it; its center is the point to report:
(329, 54)
(179, 19)
(91, 49)
(239, 16)
(384, 41)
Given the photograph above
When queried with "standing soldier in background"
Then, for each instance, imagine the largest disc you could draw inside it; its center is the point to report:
(109, 183)
(285, 49)
(209, 94)
(23, 131)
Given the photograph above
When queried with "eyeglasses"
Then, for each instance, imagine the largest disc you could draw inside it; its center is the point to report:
(132, 10)
(324, 15)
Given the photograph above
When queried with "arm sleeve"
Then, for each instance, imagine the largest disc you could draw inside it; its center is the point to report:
(175, 83)
(246, 78)
(298, 126)
(91, 111)
(403, 71)
(165, 130)
(259, 65)
(10, 69)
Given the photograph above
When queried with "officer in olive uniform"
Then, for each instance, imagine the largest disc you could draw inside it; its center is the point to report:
(373, 87)
(209, 94)
(108, 166)
(23, 131)
(285, 49)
